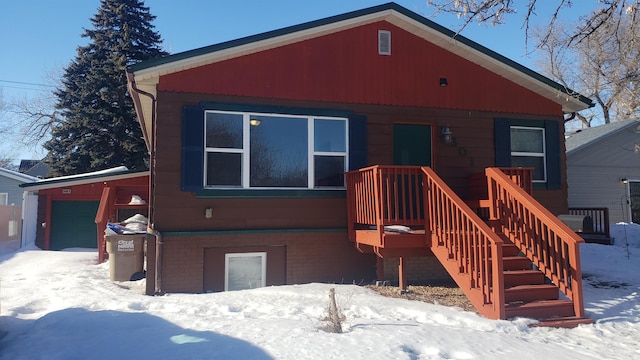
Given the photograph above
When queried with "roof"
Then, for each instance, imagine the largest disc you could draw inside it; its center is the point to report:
(37, 168)
(116, 173)
(391, 12)
(582, 138)
(144, 76)
(27, 164)
(17, 176)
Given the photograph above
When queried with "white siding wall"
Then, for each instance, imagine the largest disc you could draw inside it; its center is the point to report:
(10, 186)
(594, 173)
(595, 187)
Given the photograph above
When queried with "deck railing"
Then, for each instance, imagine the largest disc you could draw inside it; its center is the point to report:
(599, 216)
(466, 245)
(385, 195)
(550, 244)
(521, 176)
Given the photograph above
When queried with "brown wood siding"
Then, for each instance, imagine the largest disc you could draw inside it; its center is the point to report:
(310, 257)
(345, 67)
(472, 152)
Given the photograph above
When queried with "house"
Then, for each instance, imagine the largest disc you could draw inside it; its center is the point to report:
(603, 169)
(68, 205)
(37, 168)
(11, 196)
(268, 126)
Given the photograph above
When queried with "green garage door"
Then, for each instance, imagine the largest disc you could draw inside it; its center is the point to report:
(73, 224)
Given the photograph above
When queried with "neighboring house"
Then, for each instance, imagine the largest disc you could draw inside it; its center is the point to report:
(67, 206)
(37, 168)
(268, 125)
(11, 196)
(603, 169)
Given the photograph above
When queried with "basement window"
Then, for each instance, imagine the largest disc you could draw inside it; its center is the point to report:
(384, 42)
(244, 271)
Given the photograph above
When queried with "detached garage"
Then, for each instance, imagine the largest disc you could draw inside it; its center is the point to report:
(67, 206)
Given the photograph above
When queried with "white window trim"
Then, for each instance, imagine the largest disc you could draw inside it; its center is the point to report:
(382, 34)
(262, 255)
(246, 150)
(4, 196)
(542, 154)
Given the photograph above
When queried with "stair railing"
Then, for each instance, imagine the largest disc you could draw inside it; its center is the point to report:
(550, 244)
(466, 246)
(103, 216)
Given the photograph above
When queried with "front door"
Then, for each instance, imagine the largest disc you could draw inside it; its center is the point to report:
(412, 144)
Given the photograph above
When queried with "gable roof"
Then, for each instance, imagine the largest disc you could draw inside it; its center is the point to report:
(17, 176)
(144, 76)
(37, 168)
(583, 138)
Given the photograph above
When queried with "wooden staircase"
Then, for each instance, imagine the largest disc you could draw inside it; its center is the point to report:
(524, 264)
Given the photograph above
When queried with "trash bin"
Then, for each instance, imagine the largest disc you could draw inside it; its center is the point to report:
(126, 255)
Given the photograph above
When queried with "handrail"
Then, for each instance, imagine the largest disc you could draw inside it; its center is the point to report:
(550, 244)
(466, 246)
(599, 216)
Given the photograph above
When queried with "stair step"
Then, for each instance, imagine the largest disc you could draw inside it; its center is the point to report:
(523, 277)
(516, 263)
(546, 309)
(510, 250)
(563, 322)
(528, 293)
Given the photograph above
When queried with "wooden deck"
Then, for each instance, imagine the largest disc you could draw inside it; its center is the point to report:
(491, 263)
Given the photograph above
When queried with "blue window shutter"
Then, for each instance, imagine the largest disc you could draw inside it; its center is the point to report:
(192, 176)
(357, 141)
(552, 142)
(502, 136)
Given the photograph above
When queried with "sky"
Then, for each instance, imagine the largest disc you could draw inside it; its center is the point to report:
(39, 38)
(67, 308)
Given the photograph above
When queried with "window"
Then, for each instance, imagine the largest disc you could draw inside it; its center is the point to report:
(528, 150)
(257, 150)
(4, 198)
(219, 141)
(530, 143)
(245, 271)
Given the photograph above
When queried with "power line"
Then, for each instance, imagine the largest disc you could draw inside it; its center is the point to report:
(26, 83)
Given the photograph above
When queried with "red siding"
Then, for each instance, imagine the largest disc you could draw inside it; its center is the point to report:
(345, 67)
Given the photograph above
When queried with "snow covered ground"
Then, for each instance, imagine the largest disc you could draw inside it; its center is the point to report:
(61, 305)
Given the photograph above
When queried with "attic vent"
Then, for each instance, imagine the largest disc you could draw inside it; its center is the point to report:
(384, 42)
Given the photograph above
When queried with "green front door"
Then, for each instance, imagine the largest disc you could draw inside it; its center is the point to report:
(412, 144)
(73, 224)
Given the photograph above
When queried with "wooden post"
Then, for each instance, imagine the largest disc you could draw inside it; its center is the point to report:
(380, 268)
(402, 275)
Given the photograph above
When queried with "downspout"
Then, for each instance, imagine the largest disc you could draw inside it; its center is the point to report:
(152, 165)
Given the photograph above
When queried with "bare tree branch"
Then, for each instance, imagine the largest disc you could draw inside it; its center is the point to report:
(496, 11)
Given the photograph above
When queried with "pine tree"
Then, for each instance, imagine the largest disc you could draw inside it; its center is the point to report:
(100, 129)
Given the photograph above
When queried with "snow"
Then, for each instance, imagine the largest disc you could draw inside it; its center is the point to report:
(61, 305)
